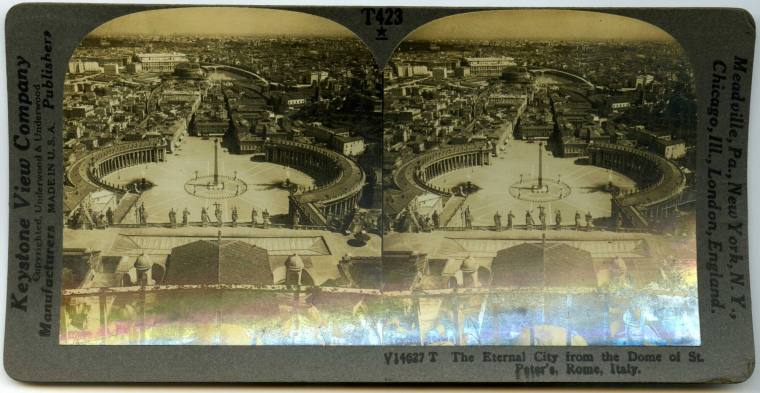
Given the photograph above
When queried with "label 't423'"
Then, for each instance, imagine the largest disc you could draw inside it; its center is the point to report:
(383, 17)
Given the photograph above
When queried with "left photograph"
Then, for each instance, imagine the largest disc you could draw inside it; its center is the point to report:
(222, 182)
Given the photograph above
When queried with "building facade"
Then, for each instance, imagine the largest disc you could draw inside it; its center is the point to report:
(489, 66)
(160, 62)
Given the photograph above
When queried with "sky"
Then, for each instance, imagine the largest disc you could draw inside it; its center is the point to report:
(565, 25)
(216, 21)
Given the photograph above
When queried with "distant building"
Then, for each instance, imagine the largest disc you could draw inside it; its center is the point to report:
(295, 101)
(339, 140)
(571, 146)
(644, 80)
(440, 73)
(660, 143)
(420, 70)
(317, 76)
(78, 111)
(388, 74)
(407, 115)
(489, 66)
(160, 62)
(619, 102)
(80, 67)
(192, 97)
(134, 68)
(516, 75)
(535, 130)
(111, 69)
(670, 149)
(462, 72)
(348, 145)
(211, 123)
(405, 71)
(189, 71)
(247, 143)
(517, 100)
(120, 60)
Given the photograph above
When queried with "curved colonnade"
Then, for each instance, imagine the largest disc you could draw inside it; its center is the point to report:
(334, 198)
(87, 173)
(661, 183)
(416, 173)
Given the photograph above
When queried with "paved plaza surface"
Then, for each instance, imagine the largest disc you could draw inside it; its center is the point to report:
(262, 179)
(586, 183)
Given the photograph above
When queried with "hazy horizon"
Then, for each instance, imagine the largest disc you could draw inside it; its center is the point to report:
(222, 22)
(538, 24)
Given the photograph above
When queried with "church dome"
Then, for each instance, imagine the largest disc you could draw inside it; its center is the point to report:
(294, 262)
(143, 262)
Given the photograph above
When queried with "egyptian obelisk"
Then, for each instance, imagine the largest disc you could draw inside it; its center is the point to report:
(216, 162)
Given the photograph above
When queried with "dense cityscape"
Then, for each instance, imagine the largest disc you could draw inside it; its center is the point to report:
(550, 179)
(123, 89)
(244, 162)
(281, 189)
(443, 94)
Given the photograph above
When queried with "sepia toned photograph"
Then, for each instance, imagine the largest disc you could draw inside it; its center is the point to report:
(378, 194)
(239, 176)
(222, 178)
(539, 182)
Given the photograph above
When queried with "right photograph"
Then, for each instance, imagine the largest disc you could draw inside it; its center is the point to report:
(538, 172)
